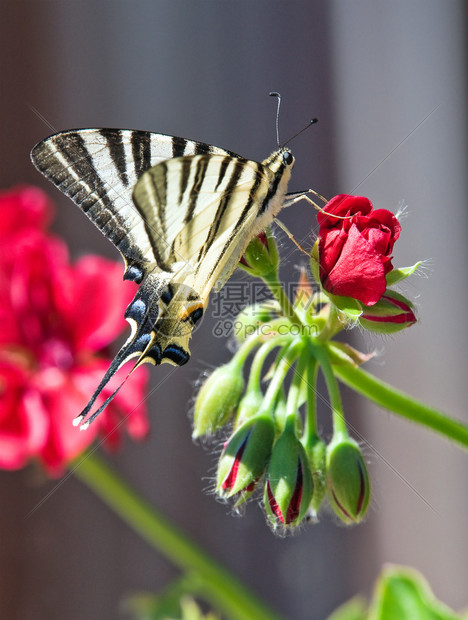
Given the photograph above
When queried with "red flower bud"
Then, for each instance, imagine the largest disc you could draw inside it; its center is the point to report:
(245, 456)
(261, 255)
(348, 481)
(390, 314)
(355, 252)
(288, 485)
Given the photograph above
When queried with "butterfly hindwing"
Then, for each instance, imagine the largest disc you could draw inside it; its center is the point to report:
(207, 207)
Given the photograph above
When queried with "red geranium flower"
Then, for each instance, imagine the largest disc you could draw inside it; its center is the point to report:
(55, 321)
(355, 253)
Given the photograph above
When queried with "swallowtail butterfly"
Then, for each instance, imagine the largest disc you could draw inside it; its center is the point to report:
(180, 212)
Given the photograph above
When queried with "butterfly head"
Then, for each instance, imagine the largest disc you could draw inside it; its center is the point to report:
(280, 161)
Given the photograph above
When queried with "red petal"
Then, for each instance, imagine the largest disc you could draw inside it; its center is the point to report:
(343, 205)
(359, 272)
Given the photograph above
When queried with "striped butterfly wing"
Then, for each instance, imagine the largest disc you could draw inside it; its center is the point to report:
(98, 169)
(181, 222)
(208, 207)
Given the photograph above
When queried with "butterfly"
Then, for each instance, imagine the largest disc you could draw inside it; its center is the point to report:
(180, 212)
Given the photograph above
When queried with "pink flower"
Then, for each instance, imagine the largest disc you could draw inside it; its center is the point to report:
(23, 208)
(355, 252)
(56, 320)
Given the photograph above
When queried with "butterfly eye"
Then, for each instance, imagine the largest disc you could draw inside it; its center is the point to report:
(287, 158)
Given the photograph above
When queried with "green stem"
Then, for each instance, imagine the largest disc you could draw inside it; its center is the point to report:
(256, 368)
(246, 348)
(400, 403)
(294, 393)
(339, 423)
(284, 365)
(275, 286)
(332, 326)
(310, 432)
(216, 584)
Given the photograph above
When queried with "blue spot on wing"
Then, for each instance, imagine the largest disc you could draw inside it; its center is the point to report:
(176, 354)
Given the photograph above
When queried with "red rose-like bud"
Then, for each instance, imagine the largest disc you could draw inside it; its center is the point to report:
(390, 314)
(355, 252)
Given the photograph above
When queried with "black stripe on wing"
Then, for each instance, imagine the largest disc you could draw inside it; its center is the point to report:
(223, 205)
(141, 151)
(249, 208)
(116, 148)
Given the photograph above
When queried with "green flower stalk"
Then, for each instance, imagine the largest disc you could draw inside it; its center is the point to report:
(316, 454)
(253, 399)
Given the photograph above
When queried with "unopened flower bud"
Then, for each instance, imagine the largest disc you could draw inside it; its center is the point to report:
(217, 399)
(288, 481)
(390, 314)
(245, 456)
(348, 481)
(261, 255)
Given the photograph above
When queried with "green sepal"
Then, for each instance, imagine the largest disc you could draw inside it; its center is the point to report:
(397, 275)
(348, 306)
(314, 263)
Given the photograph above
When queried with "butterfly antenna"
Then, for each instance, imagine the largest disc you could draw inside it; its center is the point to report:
(278, 96)
(309, 124)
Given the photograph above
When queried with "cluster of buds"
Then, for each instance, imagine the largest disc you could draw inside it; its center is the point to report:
(274, 449)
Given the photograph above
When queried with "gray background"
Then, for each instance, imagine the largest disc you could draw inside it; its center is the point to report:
(371, 72)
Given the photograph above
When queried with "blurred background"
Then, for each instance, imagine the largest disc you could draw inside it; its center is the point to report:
(388, 84)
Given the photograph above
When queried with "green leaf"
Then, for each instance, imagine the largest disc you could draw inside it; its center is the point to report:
(354, 609)
(403, 593)
(397, 275)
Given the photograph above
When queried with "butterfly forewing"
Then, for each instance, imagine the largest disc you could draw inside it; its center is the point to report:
(98, 169)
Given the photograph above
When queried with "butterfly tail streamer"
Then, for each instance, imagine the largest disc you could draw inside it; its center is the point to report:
(80, 419)
(130, 350)
(142, 314)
